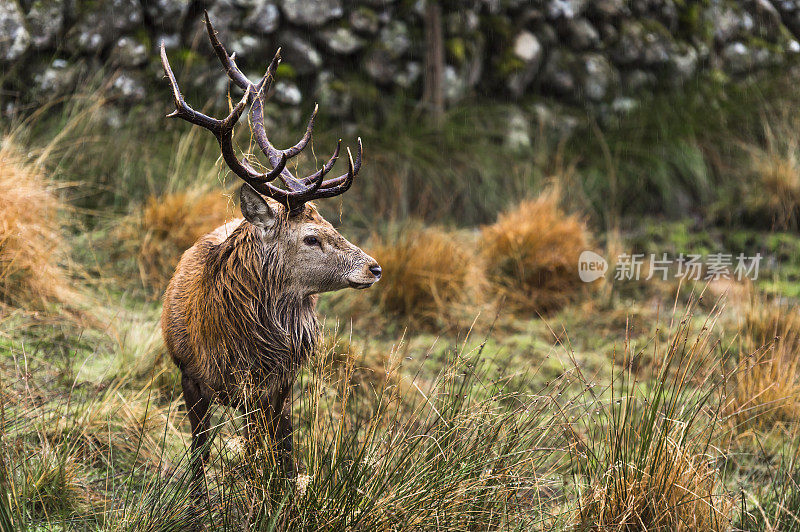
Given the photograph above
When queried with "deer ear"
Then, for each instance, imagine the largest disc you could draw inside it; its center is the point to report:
(255, 208)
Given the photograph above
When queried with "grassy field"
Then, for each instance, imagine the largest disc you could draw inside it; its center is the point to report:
(480, 385)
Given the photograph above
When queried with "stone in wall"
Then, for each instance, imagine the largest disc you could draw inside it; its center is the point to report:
(380, 66)
(643, 44)
(581, 34)
(341, 41)
(14, 37)
(128, 53)
(45, 20)
(263, 18)
(529, 51)
(312, 13)
(299, 53)
(98, 27)
(566, 9)
(58, 78)
(165, 15)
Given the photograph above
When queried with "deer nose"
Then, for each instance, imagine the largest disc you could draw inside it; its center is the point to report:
(376, 271)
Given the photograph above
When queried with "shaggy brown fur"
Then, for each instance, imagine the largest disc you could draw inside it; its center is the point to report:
(239, 313)
(235, 321)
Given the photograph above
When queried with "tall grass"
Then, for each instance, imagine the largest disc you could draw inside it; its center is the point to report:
(167, 226)
(446, 456)
(685, 148)
(457, 453)
(678, 150)
(648, 460)
(468, 447)
(773, 191)
(411, 169)
(775, 505)
(766, 387)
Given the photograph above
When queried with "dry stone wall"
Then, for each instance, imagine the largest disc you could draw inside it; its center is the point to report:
(602, 51)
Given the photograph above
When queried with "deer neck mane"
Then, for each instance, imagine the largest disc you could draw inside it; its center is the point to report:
(249, 309)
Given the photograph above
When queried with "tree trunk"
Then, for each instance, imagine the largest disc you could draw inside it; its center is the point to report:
(433, 92)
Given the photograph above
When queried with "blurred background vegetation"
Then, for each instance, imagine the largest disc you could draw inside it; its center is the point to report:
(480, 384)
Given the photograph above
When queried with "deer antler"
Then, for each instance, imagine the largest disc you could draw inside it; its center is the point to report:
(299, 191)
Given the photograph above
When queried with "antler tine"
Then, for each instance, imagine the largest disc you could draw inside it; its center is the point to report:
(182, 109)
(338, 181)
(297, 148)
(301, 194)
(273, 154)
(308, 185)
(222, 130)
(234, 73)
(227, 61)
(313, 181)
(296, 202)
(327, 167)
(346, 180)
(269, 75)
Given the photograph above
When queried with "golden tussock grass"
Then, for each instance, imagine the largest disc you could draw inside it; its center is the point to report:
(766, 384)
(765, 321)
(428, 275)
(31, 274)
(169, 225)
(676, 491)
(779, 190)
(531, 254)
(776, 188)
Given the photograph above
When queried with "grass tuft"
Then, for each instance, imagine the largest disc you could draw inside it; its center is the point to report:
(168, 226)
(31, 272)
(428, 273)
(363, 366)
(675, 492)
(774, 189)
(531, 254)
(776, 503)
(767, 381)
(53, 483)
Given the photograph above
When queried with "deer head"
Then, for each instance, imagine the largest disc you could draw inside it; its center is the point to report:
(316, 258)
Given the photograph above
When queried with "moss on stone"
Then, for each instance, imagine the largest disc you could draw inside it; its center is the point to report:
(509, 64)
(286, 71)
(692, 23)
(143, 37)
(653, 26)
(774, 48)
(456, 50)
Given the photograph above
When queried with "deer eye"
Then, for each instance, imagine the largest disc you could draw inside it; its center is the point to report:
(312, 241)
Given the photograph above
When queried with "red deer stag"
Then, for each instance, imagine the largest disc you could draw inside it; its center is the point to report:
(239, 313)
